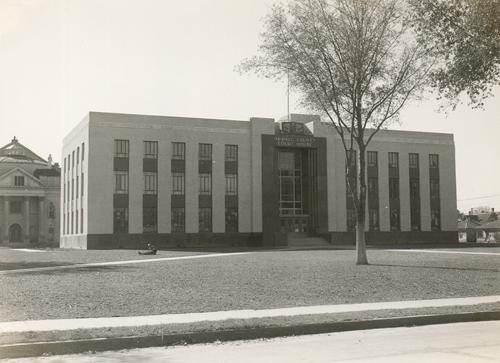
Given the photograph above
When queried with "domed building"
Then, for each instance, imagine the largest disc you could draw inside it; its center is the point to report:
(29, 197)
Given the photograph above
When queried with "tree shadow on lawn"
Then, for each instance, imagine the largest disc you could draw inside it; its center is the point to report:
(438, 267)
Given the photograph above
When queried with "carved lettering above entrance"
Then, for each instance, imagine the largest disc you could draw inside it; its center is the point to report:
(291, 140)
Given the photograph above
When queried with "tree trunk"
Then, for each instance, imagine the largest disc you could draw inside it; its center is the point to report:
(361, 258)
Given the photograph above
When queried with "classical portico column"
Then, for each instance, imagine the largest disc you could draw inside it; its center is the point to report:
(41, 219)
(5, 227)
(26, 231)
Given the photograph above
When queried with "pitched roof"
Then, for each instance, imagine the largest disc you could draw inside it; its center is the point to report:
(47, 172)
(491, 225)
(468, 223)
(18, 153)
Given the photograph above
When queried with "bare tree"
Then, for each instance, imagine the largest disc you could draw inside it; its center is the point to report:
(354, 61)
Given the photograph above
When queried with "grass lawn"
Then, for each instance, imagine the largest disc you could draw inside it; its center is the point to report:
(264, 279)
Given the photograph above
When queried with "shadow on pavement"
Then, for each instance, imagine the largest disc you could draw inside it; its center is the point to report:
(69, 268)
(18, 265)
(438, 267)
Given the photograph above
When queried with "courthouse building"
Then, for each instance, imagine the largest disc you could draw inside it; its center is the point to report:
(130, 179)
(29, 197)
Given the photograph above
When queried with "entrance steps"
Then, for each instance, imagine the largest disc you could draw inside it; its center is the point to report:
(301, 241)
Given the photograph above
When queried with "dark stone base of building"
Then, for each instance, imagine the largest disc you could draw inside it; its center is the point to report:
(167, 240)
(397, 238)
(219, 240)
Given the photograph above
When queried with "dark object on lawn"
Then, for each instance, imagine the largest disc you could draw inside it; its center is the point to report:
(151, 250)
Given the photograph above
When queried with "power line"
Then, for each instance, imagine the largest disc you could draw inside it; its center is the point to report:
(483, 197)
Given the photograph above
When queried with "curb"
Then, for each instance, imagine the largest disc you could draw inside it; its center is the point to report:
(34, 349)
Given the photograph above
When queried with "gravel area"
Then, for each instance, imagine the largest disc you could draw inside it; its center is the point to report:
(265, 279)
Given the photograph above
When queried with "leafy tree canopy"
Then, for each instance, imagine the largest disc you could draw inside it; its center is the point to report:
(464, 36)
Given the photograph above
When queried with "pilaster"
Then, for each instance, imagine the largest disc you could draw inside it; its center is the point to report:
(41, 220)
(26, 229)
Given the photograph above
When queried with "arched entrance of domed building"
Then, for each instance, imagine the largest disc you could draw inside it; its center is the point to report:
(15, 233)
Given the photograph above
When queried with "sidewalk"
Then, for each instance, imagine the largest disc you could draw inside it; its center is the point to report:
(65, 336)
(193, 318)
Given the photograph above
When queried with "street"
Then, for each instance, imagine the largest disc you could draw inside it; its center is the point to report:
(462, 342)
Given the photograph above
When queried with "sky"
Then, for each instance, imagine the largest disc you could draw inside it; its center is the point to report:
(60, 59)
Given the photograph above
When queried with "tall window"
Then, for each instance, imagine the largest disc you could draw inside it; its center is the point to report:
(231, 187)
(393, 188)
(395, 220)
(231, 220)
(290, 182)
(206, 184)
(121, 154)
(121, 148)
(76, 191)
(433, 161)
(150, 218)
(373, 213)
(205, 191)
(415, 204)
(120, 220)
(77, 156)
(150, 183)
(414, 191)
(372, 186)
(121, 182)
(205, 152)
(435, 219)
(178, 151)
(178, 167)
(231, 184)
(372, 158)
(231, 153)
(150, 149)
(82, 184)
(373, 191)
(83, 151)
(351, 220)
(178, 220)
(393, 160)
(434, 188)
(394, 198)
(435, 192)
(413, 160)
(205, 219)
(373, 219)
(178, 183)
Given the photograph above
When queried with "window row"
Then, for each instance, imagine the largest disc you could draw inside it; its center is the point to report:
(178, 220)
(69, 162)
(73, 189)
(393, 159)
(122, 150)
(73, 222)
(150, 180)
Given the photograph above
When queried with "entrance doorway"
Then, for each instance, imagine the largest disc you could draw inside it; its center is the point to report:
(15, 233)
(293, 192)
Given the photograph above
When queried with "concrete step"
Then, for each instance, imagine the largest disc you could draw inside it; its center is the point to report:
(301, 241)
